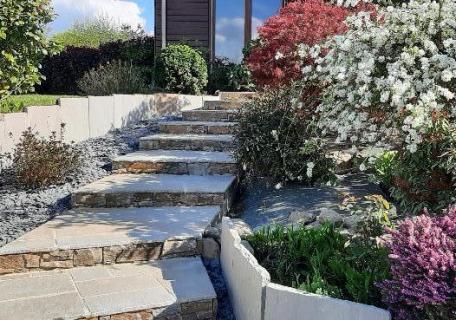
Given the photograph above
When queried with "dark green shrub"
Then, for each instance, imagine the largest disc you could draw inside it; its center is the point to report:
(424, 178)
(225, 75)
(274, 140)
(322, 261)
(115, 77)
(64, 70)
(23, 43)
(181, 69)
(39, 162)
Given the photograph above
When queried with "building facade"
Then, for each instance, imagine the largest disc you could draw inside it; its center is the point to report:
(193, 22)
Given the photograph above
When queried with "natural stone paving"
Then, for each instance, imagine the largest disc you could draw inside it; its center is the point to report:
(197, 142)
(152, 290)
(176, 162)
(158, 204)
(88, 237)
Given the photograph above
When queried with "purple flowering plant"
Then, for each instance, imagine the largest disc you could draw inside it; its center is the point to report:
(423, 268)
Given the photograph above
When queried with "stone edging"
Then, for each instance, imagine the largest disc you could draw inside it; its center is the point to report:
(255, 297)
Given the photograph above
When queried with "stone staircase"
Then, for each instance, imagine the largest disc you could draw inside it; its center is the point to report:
(130, 247)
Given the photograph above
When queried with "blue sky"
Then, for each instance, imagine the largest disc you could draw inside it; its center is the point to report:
(134, 12)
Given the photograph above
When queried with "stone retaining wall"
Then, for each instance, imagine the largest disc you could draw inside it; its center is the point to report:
(195, 310)
(91, 117)
(254, 297)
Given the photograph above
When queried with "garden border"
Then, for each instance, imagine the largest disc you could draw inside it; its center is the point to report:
(91, 117)
(255, 297)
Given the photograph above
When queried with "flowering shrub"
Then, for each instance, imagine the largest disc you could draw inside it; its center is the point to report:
(273, 140)
(423, 267)
(274, 60)
(392, 76)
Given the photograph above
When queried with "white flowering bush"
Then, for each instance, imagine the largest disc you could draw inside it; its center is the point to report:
(391, 76)
(274, 140)
(391, 79)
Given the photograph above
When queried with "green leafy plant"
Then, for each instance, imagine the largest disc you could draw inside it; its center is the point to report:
(93, 32)
(116, 77)
(23, 44)
(181, 69)
(39, 162)
(322, 261)
(225, 75)
(384, 167)
(375, 213)
(274, 140)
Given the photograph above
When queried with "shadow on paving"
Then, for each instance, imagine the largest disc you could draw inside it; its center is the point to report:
(264, 206)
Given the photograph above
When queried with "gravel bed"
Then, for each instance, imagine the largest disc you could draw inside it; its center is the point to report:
(23, 210)
(224, 308)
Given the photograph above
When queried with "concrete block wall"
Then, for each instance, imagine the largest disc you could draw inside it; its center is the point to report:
(254, 297)
(92, 117)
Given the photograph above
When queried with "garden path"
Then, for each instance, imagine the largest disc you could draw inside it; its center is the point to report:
(130, 248)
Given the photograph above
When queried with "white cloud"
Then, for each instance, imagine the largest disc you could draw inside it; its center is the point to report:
(229, 38)
(120, 11)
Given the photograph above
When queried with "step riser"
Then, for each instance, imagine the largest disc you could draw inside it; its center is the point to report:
(196, 129)
(237, 96)
(67, 259)
(213, 116)
(200, 169)
(190, 145)
(203, 309)
(125, 200)
(221, 105)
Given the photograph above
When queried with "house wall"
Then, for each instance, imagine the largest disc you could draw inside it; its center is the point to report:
(187, 21)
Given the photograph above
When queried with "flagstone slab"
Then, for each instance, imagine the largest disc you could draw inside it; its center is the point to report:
(197, 127)
(176, 162)
(196, 142)
(88, 237)
(178, 288)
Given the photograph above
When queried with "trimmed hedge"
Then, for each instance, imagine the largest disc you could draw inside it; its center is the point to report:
(64, 70)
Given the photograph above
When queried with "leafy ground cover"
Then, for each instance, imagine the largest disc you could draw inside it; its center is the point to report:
(19, 102)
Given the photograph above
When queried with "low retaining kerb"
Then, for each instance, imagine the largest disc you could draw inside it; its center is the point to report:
(254, 297)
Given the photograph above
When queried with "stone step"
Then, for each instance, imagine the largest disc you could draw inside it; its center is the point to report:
(210, 115)
(176, 162)
(88, 237)
(154, 190)
(222, 105)
(197, 127)
(196, 142)
(166, 289)
(237, 96)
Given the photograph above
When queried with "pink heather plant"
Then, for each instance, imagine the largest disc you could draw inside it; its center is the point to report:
(423, 268)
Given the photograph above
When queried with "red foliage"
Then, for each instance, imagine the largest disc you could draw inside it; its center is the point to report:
(305, 21)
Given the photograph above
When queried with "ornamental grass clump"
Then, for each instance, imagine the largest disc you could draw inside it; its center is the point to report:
(423, 268)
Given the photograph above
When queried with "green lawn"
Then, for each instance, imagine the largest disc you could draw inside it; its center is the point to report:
(18, 103)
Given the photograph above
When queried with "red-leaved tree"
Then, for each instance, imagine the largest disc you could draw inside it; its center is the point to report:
(274, 61)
